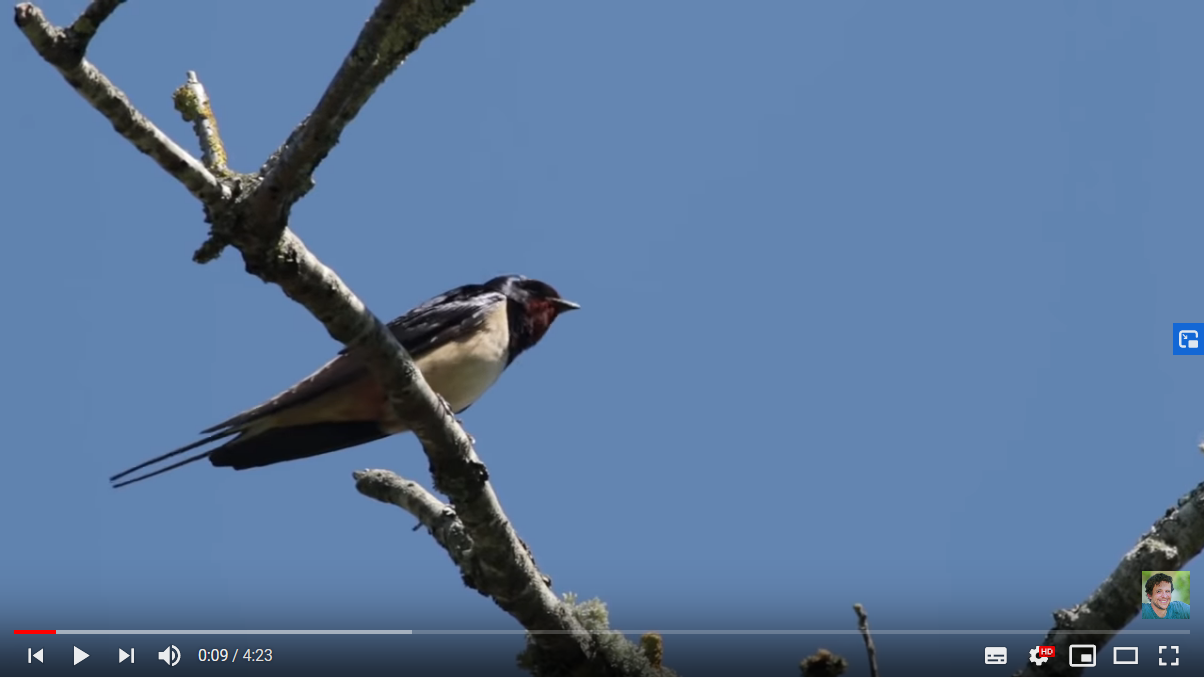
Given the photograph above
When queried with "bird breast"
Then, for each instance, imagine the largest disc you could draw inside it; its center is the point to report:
(461, 371)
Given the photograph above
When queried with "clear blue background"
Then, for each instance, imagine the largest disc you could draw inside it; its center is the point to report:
(876, 298)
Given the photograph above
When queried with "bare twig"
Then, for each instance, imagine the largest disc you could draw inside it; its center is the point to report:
(863, 623)
(192, 102)
(60, 50)
(1170, 544)
(438, 518)
(89, 22)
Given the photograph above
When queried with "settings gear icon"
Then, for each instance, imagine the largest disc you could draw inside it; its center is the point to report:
(1032, 656)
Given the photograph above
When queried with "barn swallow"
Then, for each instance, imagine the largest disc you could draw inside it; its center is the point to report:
(461, 340)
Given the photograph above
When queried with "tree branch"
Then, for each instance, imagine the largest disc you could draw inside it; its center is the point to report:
(392, 33)
(438, 518)
(63, 51)
(251, 213)
(863, 623)
(89, 22)
(193, 103)
(1170, 544)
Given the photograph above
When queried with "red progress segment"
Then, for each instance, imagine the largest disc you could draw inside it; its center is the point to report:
(51, 631)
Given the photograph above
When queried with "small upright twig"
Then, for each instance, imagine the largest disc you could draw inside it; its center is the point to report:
(863, 623)
(193, 103)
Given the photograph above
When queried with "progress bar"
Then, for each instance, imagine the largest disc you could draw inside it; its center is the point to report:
(702, 632)
(225, 632)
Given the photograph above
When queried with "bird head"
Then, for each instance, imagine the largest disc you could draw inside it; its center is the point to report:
(538, 301)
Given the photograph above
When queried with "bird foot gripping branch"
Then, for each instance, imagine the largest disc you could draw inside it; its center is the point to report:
(447, 408)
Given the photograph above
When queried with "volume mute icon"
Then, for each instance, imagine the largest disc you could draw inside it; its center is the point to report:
(122, 655)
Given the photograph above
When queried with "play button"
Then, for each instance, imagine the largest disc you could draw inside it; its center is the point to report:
(80, 655)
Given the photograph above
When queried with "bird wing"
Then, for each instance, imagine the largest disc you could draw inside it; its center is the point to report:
(445, 318)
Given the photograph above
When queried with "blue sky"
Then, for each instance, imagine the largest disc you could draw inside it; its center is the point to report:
(875, 298)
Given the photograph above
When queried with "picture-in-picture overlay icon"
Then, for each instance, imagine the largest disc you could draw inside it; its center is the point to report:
(1082, 655)
(1187, 338)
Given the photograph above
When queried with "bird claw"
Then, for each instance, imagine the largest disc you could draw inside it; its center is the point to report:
(446, 405)
(471, 441)
(451, 413)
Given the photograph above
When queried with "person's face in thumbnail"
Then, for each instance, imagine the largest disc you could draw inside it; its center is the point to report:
(1161, 597)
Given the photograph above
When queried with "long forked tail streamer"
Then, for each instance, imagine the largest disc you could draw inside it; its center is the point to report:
(165, 469)
(169, 455)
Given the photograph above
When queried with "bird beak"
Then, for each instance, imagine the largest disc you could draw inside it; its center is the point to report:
(563, 305)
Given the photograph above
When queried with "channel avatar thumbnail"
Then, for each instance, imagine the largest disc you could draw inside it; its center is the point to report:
(1166, 595)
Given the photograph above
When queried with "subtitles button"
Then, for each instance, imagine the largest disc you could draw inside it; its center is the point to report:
(997, 655)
